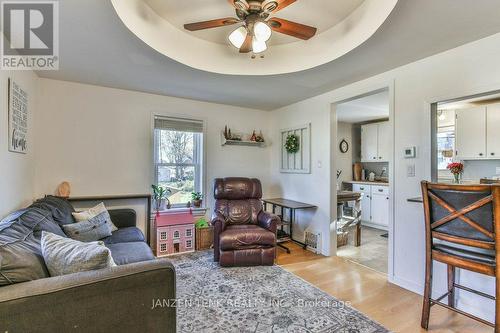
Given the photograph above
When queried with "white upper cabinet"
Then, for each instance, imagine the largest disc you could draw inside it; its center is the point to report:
(493, 131)
(478, 133)
(375, 142)
(384, 141)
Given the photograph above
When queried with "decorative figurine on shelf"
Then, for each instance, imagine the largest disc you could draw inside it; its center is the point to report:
(253, 137)
(260, 137)
(229, 135)
(226, 134)
(456, 169)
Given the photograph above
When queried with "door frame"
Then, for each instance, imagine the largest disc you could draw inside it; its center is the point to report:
(356, 93)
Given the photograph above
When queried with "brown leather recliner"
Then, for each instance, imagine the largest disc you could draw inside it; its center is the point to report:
(244, 234)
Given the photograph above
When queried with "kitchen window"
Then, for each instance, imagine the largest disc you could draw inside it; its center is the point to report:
(178, 156)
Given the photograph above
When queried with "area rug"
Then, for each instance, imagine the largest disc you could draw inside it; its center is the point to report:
(256, 299)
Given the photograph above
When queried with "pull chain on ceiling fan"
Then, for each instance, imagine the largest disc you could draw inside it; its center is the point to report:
(258, 24)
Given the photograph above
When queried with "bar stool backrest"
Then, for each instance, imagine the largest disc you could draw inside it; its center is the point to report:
(461, 214)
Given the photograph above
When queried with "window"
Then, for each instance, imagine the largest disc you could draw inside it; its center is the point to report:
(176, 234)
(163, 247)
(189, 232)
(189, 244)
(163, 235)
(445, 138)
(178, 149)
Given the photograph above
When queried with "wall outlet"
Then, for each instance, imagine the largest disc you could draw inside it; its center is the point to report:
(497, 170)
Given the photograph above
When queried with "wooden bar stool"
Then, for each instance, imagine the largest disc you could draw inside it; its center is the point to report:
(461, 232)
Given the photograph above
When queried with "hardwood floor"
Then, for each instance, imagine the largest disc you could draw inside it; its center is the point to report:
(368, 291)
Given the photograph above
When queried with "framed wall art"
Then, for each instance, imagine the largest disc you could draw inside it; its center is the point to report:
(18, 118)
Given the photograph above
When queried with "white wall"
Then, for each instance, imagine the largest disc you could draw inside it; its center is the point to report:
(346, 160)
(467, 70)
(17, 170)
(100, 139)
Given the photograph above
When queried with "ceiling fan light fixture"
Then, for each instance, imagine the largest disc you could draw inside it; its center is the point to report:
(262, 31)
(238, 36)
(258, 46)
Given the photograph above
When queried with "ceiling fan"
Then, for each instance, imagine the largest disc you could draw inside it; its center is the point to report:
(257, 24)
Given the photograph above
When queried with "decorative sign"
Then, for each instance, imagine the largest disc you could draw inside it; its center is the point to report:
(18, 118)
(296, 149)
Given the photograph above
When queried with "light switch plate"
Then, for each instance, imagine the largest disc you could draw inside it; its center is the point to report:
(497, 170)
(410, 170)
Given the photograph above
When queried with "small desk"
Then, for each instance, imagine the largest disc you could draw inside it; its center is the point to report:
(292, 206)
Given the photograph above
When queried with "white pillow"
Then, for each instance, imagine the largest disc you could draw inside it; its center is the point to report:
(64, 255)
(93, 212)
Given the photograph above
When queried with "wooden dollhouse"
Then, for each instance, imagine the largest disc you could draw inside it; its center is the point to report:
(174, 233)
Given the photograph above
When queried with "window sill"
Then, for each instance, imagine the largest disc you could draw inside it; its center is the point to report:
(177, 210)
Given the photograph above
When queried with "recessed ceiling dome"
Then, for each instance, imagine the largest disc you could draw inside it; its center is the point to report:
(342, 26)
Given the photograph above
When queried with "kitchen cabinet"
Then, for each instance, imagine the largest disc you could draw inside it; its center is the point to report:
(374, 205)
(478, 133)
(493, 131)
(375, 142)
(369, 143)
(471, 133)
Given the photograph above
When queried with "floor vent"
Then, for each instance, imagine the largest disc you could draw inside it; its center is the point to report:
(313, 241)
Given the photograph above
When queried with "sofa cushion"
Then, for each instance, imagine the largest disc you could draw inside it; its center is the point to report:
(93, 212)
(65, 255)
(237, 237)
(20, 253)
(60, 208)
(96, 228)
(125, 235)
(128, 253)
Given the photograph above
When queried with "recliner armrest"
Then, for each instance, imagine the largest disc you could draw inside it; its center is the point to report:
(268, 221)
(219, 223)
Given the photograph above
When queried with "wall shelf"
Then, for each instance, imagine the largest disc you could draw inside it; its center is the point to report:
(247, 143)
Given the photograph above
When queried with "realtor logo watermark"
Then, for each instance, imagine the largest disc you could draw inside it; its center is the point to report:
(30, 38)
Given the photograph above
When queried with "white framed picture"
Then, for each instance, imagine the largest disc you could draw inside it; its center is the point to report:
(18, 118)
(299, 161)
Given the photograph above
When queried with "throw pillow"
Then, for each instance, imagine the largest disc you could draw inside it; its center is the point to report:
(97, 227)
(92, 212)
(65, 255)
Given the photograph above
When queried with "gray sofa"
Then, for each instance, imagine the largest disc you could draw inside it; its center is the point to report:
(117, 299)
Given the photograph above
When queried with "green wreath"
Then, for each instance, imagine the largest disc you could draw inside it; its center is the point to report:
(292, 144)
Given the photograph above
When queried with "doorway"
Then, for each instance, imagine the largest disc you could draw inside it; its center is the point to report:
(363, 157)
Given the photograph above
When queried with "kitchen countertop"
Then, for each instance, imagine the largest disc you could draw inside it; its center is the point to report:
(366, 182)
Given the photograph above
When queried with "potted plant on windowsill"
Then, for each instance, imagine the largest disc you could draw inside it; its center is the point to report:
(160, 197)
(197, 199)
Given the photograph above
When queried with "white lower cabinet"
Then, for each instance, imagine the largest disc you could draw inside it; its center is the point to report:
(374, 205)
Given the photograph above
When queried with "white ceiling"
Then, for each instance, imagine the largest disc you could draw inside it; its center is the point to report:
(363, 109)
(96, 48)
(317, 13)
(338, 35)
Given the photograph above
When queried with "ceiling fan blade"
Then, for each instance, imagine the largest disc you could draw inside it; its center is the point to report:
(283, 3)
(210, 24)
(290, 28)
(247, 44)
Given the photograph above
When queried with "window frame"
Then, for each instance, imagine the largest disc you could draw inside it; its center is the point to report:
(199, 152)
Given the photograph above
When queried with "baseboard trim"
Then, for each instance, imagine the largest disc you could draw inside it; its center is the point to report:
(408, 285)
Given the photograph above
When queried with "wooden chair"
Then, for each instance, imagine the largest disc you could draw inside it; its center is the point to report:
(461, 232)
